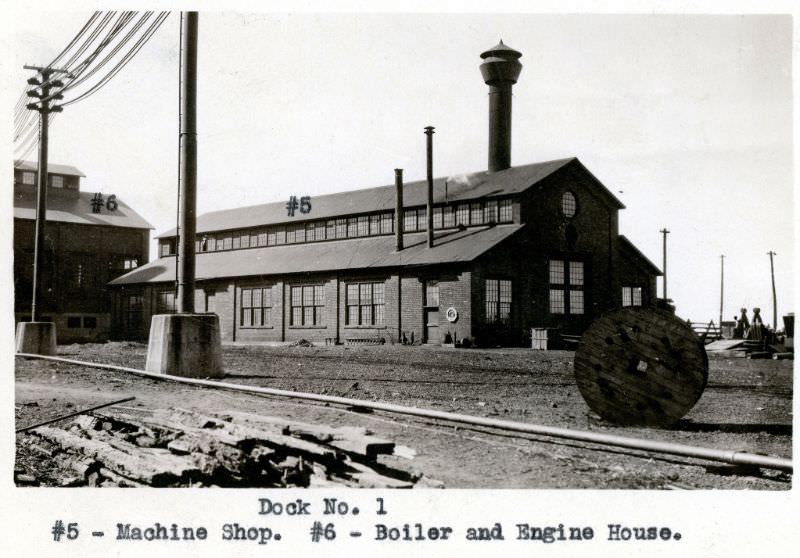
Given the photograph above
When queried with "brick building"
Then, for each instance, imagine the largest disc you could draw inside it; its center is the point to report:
(513, 248)
(88, 242)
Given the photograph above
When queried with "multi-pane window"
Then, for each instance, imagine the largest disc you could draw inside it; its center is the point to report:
(387, 222)
(631, 296)
(410, 220)
(432, 293)
(256, 307)
(506, 214)
(569, 205)
(130, 263)
(448, 217)
(490, 212)
(262, 238)
(498, 300)
(365, 304)
(319, 230)
(374, 225)
(236, 241)
(56, 181)
(462, 214)
(363, 226)
(352, 227)
(567, 287)
(165, 302)
(330, 229)
(476, 213)
(29, 178)
(244, 239)
(300, 233)
(227, 242)
(167, 247)
(132, 306)
(308, 305)
(341, 228)
(280, 236)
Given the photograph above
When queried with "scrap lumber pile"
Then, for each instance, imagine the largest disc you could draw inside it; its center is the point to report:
(177, 447)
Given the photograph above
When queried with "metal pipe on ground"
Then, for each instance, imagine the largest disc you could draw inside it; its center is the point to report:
(733, 457)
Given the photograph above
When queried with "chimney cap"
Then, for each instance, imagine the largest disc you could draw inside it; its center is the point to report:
(501, 50)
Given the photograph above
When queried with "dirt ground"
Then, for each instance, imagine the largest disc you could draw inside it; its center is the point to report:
(746, 406)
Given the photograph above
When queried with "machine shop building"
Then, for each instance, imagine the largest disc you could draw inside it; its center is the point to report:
(90, 239)
(513, 248)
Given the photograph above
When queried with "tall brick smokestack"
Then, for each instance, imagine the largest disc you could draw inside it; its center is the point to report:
(500, 70)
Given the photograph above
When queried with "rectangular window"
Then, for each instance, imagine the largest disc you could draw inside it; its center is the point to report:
(462, 214)
(166, 247)
(308, 305)
(272, 239)
(352, 227)
(330, 229)
(311, 232)
(280, 236)
(506, 214)
(130, 263)
(448, 217)
(387, 223)
(631, 296)
(29, 178)
(410, 220)
(211, 244)
(73, 322)
(374, 225)
(56, 181)
(262, 238)
(432, 293)
(290, 234)
(244, 239)
(490, 212)
(236, 242)
(256, 307)
(132, 306)
(567, 287)
(90, 322)
(363, 226)
(437, 217)
(165, 302)
(341, 228)
(498, 300)
(227, 242)
(476, 213)
(365, 304)
(300, 233)
(319, 230)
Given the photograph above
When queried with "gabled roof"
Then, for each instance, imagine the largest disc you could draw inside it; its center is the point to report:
(77, 209)
(510, 181)
(361, 253)
(51, 168)
(627, 245)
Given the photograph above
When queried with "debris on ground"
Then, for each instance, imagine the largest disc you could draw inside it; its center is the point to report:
(178, 447)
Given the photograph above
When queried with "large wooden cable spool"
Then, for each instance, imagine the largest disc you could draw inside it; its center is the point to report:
(641, 366)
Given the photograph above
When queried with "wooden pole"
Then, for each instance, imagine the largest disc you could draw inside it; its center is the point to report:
(774, 300)
(721, 288)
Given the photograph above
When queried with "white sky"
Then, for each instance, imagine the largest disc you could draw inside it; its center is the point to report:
(687, 119)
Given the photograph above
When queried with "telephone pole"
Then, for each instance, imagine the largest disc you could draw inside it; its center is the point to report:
(35, 336)
(774, 301)
(45, 85)
(721, 287)
(665, 232)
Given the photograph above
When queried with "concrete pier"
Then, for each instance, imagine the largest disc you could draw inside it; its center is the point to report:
(37, 338)
(185, 345)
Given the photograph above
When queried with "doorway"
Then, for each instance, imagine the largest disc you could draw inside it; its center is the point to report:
(431, 312)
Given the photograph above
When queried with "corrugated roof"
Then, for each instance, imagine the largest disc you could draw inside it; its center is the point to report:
(77, 210)
(51, 168)
(626, 244)
(362, 253)
(459, 187)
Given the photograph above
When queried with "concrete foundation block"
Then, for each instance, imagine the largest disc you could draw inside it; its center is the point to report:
(38, 338)
(185, 345)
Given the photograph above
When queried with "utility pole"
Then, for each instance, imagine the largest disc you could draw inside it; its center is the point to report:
(721, 287)
(44, 108)
(774, 301)
(187, 218)
(665, 232)
(429, 132)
